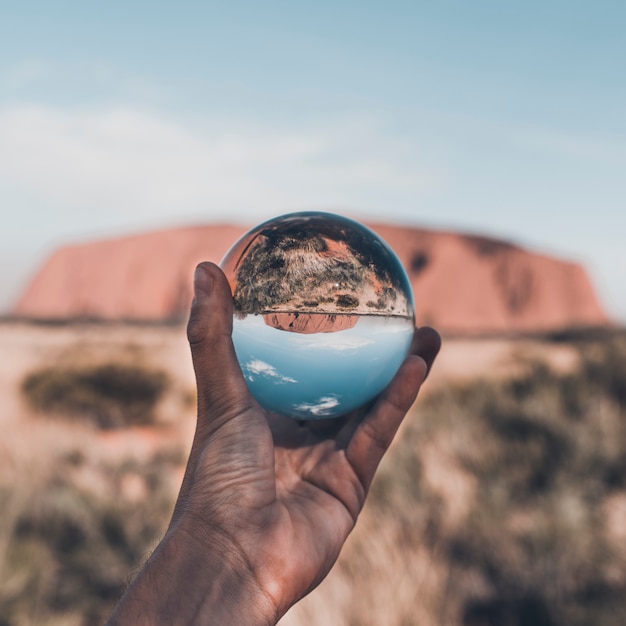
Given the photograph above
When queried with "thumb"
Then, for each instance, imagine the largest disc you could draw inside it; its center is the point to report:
(222, 391)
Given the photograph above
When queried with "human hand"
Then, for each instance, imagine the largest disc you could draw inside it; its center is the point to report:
(267, 502)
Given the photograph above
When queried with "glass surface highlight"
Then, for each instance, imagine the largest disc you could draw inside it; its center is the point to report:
(323, 313)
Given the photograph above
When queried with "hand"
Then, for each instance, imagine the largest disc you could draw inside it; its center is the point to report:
(266, 502)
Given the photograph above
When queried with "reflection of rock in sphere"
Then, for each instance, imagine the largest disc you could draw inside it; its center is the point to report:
(311, 263)
(323, 314)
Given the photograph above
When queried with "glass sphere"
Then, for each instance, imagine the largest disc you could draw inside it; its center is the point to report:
(323, 313)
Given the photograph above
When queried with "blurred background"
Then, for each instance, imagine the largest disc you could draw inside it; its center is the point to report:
(485, 141)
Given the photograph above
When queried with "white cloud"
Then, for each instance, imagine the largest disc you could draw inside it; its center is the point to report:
(124, 160)
(323, 407)
(256, 366)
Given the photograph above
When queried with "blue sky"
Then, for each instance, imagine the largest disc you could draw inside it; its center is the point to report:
(487, 116)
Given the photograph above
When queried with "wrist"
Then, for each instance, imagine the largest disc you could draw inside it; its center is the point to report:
(188, 581)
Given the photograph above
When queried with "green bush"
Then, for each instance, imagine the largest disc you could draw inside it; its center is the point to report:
(110, 395)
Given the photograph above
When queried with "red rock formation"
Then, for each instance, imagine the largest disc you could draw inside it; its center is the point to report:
(307, 324)
(462, 283)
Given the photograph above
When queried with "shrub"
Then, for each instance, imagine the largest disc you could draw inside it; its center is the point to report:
(111, 395)
(70, 551)
(544, 453)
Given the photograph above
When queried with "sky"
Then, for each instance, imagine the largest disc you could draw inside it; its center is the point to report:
(491, 116)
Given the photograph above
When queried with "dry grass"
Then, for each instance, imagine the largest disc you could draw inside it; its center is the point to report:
(74, 538)
(502, 501)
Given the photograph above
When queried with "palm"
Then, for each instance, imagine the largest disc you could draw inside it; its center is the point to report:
(279, 489)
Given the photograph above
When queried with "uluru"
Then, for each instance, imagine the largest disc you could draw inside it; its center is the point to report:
(465, 284)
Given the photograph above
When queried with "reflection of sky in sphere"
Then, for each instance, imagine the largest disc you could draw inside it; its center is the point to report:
(320, 375)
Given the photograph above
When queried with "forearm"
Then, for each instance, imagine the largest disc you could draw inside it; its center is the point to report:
(183, 584)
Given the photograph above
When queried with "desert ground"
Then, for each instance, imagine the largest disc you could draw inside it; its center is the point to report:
(461, 527)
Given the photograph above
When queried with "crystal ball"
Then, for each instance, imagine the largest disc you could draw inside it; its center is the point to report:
(323, 313)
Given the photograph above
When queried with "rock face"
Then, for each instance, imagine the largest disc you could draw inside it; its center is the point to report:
(462, 283)
(307, 324)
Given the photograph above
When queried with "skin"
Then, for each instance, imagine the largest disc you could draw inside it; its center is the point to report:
(267, 502)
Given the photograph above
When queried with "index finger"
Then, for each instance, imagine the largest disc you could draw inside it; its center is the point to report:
(374, 434)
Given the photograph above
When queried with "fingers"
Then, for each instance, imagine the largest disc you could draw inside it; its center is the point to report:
(221, 388)
(426, 343)
(374, 434)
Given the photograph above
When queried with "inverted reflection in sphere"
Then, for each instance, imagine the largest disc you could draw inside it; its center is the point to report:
(323, 313)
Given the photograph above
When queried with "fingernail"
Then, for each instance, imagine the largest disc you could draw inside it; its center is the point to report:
(426, 368)
(202, 279)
